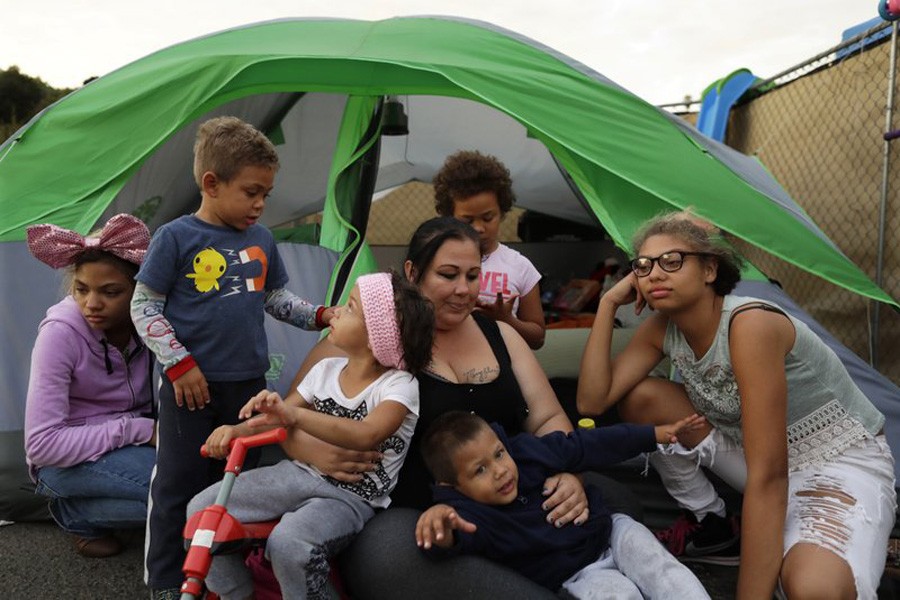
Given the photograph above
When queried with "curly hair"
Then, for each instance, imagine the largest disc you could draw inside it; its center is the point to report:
(700, 236)
(467, 173)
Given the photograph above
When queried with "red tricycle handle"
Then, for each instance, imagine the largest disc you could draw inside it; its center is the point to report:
(273, 436)
(238, 451)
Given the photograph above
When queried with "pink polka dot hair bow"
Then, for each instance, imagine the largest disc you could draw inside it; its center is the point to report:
(123, 235)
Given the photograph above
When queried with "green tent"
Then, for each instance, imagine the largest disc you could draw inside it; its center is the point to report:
(574, 140)
(624, 156)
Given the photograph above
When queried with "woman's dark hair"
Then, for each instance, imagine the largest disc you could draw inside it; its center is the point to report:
(700, 236)
(467, 173)
(92, 255)
(443, 439)
(430, 236)
(415, 317)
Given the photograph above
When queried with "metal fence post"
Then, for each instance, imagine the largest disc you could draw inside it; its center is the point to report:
(885, 184)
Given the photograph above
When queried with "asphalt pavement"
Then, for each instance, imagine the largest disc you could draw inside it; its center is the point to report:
(39, 562)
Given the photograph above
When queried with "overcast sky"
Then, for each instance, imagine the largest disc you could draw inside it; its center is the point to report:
(661, 51)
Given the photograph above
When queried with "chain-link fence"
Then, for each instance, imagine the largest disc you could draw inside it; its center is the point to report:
(820, 130)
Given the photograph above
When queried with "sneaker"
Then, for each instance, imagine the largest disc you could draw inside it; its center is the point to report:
(168, 594)
(714, 540)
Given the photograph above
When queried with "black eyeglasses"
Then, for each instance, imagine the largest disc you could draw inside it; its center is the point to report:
(669, 262)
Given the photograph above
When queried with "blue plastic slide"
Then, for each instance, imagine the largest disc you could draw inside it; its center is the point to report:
(718, 99)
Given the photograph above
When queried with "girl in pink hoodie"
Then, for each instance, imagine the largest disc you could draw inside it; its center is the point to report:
(89, 426)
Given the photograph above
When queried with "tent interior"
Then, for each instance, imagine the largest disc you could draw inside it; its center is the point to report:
(306, 127)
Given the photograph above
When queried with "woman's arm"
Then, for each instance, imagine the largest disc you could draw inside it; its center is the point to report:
(759, 341)
(339, 463)
(545, 414)
(566, 500)
(603, 381)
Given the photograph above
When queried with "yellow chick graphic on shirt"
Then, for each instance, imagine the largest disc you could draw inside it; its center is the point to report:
(209, 265)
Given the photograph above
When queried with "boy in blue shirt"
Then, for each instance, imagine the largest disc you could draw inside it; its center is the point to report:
(202, 290)
(489, 495)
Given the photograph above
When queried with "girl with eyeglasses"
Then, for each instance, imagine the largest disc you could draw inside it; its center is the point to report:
(789, 428)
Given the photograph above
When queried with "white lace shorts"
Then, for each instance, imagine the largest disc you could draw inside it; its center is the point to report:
(846, 505)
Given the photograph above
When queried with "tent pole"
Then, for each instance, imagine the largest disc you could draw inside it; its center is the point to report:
(885, 182)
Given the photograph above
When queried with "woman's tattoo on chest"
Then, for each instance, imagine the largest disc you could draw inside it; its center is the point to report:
(481, 375)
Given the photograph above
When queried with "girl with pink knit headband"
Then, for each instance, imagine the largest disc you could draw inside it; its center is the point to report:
(368, 399)
(89, 427)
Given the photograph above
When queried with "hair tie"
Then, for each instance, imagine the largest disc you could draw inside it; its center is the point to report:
(124, 236)
(376, 293)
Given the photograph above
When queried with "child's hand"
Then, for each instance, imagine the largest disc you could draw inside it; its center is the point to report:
(274, 411)
(436, 526)
(327, 315)
(668, 434)
(246, 411)
(219, 441)
(191, 389)
(501, 310)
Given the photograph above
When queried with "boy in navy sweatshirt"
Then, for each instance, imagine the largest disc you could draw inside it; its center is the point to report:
(488, 501)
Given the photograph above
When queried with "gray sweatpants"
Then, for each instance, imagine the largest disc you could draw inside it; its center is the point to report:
(318, 519)
(636, 566)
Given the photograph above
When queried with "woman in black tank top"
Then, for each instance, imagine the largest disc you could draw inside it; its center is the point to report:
(477, 365)
(499, 401)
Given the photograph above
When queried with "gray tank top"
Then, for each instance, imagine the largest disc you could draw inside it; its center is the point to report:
(826, 412)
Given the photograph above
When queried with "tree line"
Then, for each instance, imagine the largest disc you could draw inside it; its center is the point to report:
(22, 97)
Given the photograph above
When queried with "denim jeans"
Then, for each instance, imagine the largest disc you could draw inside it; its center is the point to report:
(95, 497)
